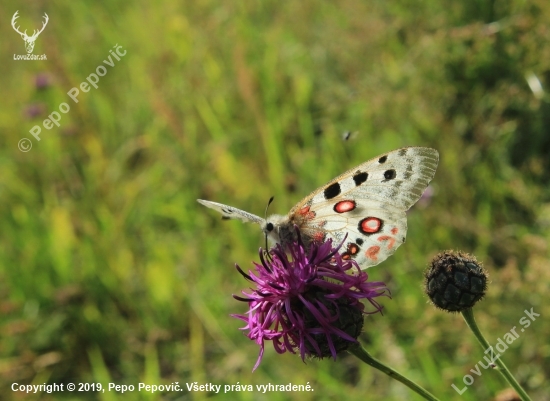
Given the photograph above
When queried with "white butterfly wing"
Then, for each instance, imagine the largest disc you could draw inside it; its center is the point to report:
(230, 212)
(368, 204)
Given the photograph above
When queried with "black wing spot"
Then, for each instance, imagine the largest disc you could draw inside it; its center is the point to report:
(360, 177)
(390, 174)
(359, 241)
(383, 159)
(332, 191)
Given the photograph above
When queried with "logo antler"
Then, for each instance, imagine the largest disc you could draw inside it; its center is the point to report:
(29, 40)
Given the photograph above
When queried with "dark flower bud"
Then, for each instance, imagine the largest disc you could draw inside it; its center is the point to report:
(455, 281)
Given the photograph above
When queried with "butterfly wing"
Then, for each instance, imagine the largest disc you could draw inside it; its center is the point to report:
(368, 204)
(230, 212)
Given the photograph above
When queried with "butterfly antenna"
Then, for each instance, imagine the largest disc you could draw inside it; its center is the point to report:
(268, 203)
(265, 216)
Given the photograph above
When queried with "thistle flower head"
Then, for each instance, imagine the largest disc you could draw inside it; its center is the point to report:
(41, 81)
(308, 301)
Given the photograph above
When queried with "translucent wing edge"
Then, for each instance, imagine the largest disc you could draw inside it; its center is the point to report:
(230, 212)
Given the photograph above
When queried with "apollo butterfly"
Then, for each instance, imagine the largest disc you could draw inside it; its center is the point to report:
(365, 206)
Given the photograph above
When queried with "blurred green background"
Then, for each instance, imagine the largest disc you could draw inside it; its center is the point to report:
(110, 271)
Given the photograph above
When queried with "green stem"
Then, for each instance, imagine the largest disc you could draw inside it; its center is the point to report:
(362, 354)
(468, 315)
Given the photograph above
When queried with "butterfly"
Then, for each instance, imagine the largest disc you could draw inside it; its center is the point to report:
(365, 206)
(348, 135)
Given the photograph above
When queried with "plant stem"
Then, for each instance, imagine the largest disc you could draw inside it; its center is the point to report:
(468, 315)
(362, 354)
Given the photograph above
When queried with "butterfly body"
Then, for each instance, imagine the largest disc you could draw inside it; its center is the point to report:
(365, 206)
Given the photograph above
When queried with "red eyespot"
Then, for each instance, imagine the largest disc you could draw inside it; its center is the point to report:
(344, 206)
(370, 225)
(352, 248)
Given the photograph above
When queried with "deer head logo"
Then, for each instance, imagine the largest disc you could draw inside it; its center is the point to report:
(29, 40)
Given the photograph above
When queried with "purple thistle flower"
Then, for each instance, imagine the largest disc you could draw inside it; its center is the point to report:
(41, 81)
(310, 302)
(34, 110)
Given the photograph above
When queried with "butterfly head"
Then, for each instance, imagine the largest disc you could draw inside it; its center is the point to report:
(271, 227)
